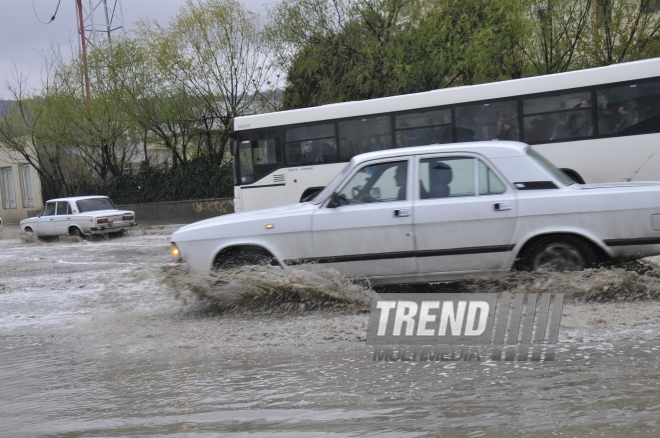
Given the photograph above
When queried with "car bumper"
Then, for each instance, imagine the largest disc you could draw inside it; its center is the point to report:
(112, 228)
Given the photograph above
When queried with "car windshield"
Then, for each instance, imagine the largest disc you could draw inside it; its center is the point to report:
(547, 165)
(330, 187)
(95, 204)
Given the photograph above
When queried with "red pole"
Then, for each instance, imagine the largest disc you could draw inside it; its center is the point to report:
(83, 42)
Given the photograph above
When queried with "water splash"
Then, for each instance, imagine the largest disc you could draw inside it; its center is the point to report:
(268, 289)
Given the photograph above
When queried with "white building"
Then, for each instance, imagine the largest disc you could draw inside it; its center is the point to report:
(20, 188)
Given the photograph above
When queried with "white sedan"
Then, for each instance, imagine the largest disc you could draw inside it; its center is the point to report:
(79, 216)
(437, 213)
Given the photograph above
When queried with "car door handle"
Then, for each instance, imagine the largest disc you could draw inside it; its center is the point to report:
(501, 206)
(51, 218)
(404, 212)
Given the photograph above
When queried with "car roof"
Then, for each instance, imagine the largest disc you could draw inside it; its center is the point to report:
(488, 149)
(77, 198)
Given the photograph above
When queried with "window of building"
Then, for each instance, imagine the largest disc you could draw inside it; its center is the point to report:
(26, 185)
(8, 190)
(603, 12)
(649, 6)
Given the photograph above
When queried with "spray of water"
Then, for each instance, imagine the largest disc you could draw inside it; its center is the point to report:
(268, 289)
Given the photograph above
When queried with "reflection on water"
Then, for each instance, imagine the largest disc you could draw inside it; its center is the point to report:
(93, 344)
(73, 389)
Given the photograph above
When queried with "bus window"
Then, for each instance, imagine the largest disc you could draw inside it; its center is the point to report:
(257, 159)
(629, 109)
(558, 117)
(311, 132)
(311, 144)
(418, 129)
(488, 121)
(362, 135)
(312, 151)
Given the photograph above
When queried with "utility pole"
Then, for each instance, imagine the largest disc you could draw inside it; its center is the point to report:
(100, 17)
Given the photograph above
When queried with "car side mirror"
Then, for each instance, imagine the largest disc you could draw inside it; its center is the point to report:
(337, 200)
(334, 201)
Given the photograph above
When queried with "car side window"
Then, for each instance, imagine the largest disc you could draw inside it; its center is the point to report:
(382, 182)
(447, 177)
(62, 208)
(489, 183)
(50, 209)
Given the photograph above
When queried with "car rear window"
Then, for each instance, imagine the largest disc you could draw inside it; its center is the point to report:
(95, 204)
(549, 167)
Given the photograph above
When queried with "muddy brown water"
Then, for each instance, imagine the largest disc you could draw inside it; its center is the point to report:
(105, 338)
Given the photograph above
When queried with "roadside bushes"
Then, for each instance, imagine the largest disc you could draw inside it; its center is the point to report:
(196, 179)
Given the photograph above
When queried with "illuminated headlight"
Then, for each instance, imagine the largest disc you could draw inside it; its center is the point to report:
(174, 252)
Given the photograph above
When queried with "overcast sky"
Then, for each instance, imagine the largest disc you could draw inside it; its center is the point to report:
(23, 38)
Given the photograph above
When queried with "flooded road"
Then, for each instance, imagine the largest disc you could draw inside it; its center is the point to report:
(102, 338)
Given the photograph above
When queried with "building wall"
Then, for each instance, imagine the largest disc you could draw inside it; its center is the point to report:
(10, 168)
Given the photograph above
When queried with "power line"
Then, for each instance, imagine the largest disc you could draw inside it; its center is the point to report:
(51, 18)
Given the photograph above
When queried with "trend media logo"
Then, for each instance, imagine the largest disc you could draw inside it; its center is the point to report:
(515, 327)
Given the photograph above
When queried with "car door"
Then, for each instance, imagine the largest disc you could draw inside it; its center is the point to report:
(464, 215)
(45, 225)
(370, 233)
(62, 218)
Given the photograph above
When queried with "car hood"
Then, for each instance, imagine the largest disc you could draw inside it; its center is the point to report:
(625, 184)
(243, 216)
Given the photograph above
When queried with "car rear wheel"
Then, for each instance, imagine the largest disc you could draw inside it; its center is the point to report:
(76, 232)
(559, 253)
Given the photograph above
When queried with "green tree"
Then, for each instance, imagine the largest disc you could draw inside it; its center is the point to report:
(213, 53)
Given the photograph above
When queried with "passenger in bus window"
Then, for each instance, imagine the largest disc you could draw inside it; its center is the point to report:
(329, 151)
(346, 150)
(309, 154)
(624, 118)
(607, 119)
(509, 130)
(374, 144)
(580, 121)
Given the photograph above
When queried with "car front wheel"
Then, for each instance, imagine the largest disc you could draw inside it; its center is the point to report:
(559, 253)
(242, 259)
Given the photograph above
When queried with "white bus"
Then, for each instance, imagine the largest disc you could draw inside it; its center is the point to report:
(598, 125)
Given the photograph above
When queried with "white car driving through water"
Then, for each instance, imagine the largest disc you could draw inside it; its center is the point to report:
(437, 213)
(79, 216)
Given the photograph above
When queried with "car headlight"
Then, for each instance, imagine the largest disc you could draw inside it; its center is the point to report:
(174, 252)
